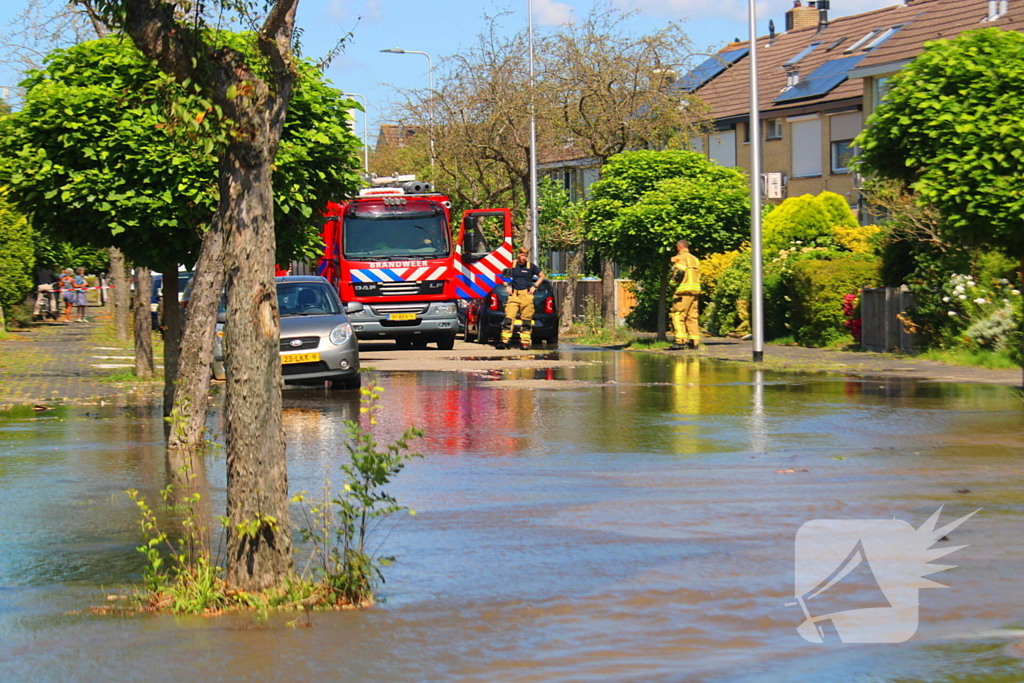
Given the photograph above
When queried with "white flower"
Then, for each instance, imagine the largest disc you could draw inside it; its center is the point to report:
(945, 299)
(959, 289)
(1015, 292)
(797, 242)
(963, 297)
(980, 300)
(1003, 281)
(952, 314)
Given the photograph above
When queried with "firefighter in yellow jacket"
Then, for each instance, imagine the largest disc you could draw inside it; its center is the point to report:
(686, 275)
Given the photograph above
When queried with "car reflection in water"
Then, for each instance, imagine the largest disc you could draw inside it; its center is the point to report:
(317, 341)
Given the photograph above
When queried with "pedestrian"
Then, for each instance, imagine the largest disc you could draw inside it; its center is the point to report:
(80, 286)
(45, 280)
(67, 292)
(521, 281)
(684, 311)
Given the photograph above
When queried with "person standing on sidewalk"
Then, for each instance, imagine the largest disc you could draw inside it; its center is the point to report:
(45, 279)
(81, 286)
(520, 286)
(684, 311)
(67, 292)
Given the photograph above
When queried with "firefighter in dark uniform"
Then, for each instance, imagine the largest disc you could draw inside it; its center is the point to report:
(519, 281)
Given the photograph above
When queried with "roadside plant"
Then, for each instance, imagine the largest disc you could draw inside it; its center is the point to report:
(346, 563)
(981, 315)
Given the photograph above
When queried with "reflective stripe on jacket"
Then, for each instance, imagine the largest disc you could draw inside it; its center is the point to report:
(687, 271)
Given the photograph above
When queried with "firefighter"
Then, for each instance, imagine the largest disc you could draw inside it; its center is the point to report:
(686, 275)
(520, 284)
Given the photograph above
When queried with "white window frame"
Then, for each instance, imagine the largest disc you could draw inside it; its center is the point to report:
(773, 123)
(834, 153)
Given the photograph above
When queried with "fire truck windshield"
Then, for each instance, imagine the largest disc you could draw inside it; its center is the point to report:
(385, 235)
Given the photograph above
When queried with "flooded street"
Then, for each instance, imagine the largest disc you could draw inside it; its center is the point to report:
(628, 518)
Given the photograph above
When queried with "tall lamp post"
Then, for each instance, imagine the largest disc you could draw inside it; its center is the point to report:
(534, 231)
(756, 279)
(430, 86)
(366, 140)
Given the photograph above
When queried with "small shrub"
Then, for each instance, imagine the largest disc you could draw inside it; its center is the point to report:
(858, 239)
(819, 287)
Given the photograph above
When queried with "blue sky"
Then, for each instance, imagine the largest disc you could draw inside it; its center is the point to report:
(443, 27)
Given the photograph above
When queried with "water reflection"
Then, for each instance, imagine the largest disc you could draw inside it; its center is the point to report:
(630, 518)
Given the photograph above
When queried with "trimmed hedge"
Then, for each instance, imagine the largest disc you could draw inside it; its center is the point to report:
(818, 287)
(17, 255)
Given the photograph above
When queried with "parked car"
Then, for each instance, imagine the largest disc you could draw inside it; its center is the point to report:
(317, 340)
(157, 296)
(483, 316)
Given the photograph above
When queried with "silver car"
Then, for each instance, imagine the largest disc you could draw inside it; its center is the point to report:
(317, 341)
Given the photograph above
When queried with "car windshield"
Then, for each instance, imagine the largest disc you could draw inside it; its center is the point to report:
(387, 236)
(306, 298)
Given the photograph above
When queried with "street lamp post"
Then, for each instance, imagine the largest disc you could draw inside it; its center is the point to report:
(366, 139)
(756, 279)
(534, 231)
(430, 87)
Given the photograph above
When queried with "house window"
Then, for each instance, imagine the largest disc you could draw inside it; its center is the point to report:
(881, 90)
(722, 148)
(842, 152)
(805, 145)
(773, 129)
(843, 128)
(746, 132)
(697, 143)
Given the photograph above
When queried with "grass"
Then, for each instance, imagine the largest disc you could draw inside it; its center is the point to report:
(127, 375)
(593, 335)
(649, 344)
(994, 360)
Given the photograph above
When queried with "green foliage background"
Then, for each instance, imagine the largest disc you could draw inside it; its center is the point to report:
(17, 255)
(108, 151)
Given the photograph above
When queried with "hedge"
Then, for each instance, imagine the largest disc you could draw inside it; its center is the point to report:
(818, 287)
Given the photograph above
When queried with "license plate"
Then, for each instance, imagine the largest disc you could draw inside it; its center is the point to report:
(300, 358)
(401, 316)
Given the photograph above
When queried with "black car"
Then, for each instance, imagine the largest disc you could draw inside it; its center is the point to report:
(483, 316)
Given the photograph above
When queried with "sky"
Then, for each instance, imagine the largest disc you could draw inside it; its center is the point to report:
(442, 27)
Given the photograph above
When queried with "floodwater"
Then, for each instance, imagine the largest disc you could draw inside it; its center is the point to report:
(634, 522)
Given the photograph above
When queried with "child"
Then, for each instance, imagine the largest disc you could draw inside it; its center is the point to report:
(67, 289)
(80, 287)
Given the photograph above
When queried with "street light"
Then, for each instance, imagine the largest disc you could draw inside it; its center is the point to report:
(533, 148)
(366, 139)
(756, 279)
(430, 86)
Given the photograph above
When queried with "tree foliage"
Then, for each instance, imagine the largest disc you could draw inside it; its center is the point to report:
(108, 151)
(17, 254)
(949, 130)
(646, 201)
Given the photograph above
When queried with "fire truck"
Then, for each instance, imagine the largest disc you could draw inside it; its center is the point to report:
(395, 250)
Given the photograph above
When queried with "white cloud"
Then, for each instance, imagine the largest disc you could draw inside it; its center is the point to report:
(551, 13)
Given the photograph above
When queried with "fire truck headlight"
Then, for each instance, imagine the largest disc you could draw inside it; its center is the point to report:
(444, 309)
(341, 334)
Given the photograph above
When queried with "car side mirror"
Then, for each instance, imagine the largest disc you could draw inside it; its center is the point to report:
(222, 317)
(353, 307)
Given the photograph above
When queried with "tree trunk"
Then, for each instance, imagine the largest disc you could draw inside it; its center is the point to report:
(143, 323)
(566, 316)
(608, 311)
(191, 397)
(259, 548)
(119, 293)
(662, 312)
(170, 324)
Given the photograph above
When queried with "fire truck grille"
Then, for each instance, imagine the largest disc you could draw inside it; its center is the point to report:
(399, 288)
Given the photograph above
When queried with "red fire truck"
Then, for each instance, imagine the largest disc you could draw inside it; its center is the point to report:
(394, 249)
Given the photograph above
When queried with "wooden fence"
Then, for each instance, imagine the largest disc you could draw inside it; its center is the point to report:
(625, 300)
(881, 328)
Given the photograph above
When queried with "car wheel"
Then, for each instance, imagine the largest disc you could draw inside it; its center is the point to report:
(446, 343)
(419, 343)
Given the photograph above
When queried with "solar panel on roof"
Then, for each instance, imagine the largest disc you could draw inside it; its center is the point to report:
(708, 69)
(822, 80)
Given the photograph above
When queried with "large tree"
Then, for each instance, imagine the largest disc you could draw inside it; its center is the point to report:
(646, 201)
(949, 131)
(254, 95)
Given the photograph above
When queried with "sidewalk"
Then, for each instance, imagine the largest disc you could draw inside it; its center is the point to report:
(63, 362)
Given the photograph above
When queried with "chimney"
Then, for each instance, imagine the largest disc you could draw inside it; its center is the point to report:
(801, 17)
(823, 7)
